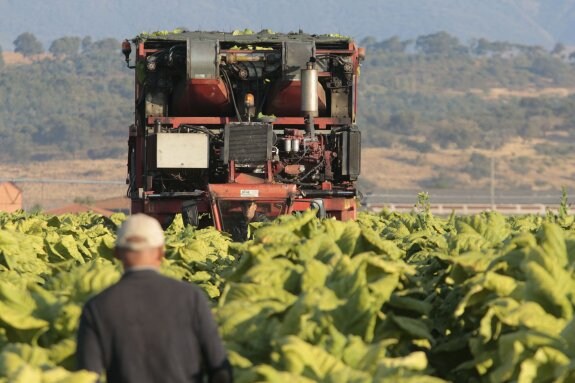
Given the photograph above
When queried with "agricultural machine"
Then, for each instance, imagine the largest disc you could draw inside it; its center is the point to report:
(231, 128)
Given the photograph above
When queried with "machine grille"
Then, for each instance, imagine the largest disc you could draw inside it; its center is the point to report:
(248, 143)
(350, 153)
(354, 161)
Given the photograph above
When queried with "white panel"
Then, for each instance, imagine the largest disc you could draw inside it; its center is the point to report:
(182, 150)
(249, 193)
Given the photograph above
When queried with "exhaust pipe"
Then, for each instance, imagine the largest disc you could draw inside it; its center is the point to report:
(309, 106)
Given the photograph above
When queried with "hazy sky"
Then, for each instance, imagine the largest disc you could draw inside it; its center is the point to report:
(512, 20)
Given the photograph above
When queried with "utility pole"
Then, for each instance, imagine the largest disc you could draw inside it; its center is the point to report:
(492, 176)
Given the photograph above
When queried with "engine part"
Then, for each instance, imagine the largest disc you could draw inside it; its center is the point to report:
(309, 82)
(151, 64)
(201, 58)
(309, 106)
(201, 98)
(295, 144)
(287, 145)
(248, 142)
(294, 170)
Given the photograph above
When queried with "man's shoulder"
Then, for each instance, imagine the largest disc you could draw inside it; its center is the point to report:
(184, 289)
(181, 286)
(153, 279)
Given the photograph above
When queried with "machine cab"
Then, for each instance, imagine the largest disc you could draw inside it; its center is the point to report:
(235, 206)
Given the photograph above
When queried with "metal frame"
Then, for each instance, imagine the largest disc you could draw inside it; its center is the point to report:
(162, 208)
(321, 122)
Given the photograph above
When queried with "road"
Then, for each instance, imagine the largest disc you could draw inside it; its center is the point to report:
(466, 201)
(443, 196)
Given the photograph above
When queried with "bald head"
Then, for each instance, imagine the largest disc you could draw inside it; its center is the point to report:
(140, 242)
(149, 258)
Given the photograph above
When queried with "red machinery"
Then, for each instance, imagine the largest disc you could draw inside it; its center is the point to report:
(224, 121)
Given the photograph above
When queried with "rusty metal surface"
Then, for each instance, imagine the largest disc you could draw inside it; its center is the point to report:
(320, 122)
(251, 191)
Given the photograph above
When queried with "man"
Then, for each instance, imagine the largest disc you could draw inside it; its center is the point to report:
(239, 228)
(148, 328)
(249, 209)
(251, 214)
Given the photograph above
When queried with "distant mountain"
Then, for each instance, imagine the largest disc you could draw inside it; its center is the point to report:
(541, 22)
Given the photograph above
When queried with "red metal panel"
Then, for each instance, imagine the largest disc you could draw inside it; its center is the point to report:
(301, 205)
(339, 204)
(141, 52)
(284, 99)
(205, 97)
(177, 121)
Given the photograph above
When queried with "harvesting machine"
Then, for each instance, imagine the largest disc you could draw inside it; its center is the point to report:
(235, 126)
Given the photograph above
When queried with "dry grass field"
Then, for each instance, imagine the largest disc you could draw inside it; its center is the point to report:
(15, 58)
(49, 195)
(518, 165)
(498, 93)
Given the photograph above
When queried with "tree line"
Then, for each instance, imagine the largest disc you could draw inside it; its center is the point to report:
(452, 94)
(442, 43)
(77, 103)
(28, 45)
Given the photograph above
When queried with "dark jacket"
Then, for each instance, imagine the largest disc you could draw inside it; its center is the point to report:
(150, 328)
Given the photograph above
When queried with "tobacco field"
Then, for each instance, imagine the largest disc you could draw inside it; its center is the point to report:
(390, 297)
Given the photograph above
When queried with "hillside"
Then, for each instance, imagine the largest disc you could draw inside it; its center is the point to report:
(65, 107)
(435, 87)
(541, 22)
(518, 165)
(475, 95)
(431, 111)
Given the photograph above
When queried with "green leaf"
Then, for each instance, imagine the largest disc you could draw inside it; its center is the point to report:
(416, 328)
